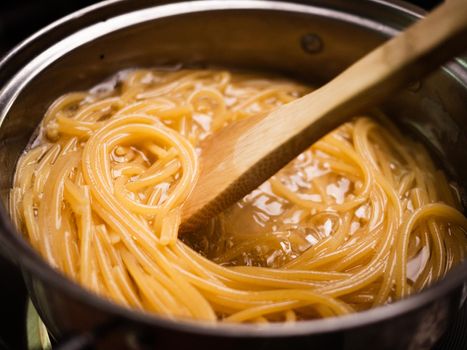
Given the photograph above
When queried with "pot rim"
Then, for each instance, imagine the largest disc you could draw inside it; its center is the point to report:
(30, 260)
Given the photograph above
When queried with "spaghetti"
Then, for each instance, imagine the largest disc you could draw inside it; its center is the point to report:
(360, 219)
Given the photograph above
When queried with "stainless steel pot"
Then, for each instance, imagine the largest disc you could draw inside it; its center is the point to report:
(309, 40)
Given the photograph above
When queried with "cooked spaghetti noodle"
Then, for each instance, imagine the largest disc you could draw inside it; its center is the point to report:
(360, 219)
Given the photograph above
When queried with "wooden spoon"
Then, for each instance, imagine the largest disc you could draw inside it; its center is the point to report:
(243, 155)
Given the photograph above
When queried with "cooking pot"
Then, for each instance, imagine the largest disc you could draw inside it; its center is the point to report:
(307, 40)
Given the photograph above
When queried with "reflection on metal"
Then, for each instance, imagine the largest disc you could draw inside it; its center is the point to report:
(37, 336)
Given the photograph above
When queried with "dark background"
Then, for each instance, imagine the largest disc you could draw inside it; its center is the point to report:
(19, 19)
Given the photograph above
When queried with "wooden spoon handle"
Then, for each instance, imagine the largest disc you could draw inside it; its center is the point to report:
(242, 156)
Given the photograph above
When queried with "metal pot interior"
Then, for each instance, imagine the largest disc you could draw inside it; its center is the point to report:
(311, 43)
